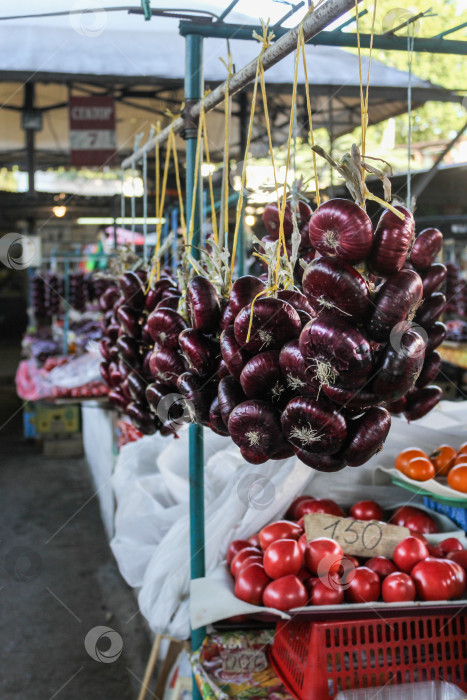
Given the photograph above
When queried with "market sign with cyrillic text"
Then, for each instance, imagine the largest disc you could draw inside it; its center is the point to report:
(92, 130)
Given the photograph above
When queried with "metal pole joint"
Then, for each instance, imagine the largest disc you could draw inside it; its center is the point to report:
(190, 123)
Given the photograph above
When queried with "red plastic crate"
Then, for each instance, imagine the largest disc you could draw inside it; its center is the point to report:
(316, 660)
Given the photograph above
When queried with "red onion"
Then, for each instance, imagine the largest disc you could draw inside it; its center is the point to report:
(171, 302)
(322, 463)
(104, 372)
(299, 378)
(359, 399)
(271, 220)
(222, 370)
(314, 426)
(203, 304)
(227, 317)
(156, 391)
(396, 407)
(126, 390)
(234, 356)
(329, 283)
(285, 450)
(430, 369)
(152, 299)
(132, 289)
(255, 427)
(165, 325)
(303, 218)
(128, 349)
(396, 300)
(200, 352)
(400, 366)
(427, 245)
(393, 239)
(130, 320)
(337, 351)
(118, 399)
(166, 365)
(262, 378)
(430, 310)
(137, 387)
(215, 419)
(366, 436)
(274, 322)
(230, 394)
(433, 278)
(421, 401)
(115, 376)
(108, 298)
(104, 348)
(297, 300)
(141, 418)
(340, 227)
(146, 366)
(199, 392)
(112, 332)
(436, 334)
(243, 292)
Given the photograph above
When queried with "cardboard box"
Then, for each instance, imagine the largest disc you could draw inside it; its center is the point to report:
(58, 419)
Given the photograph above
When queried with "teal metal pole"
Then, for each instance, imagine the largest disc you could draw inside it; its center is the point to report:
(66, 319)
(194, 91)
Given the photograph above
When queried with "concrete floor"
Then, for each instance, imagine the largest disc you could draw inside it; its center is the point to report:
(58, 579)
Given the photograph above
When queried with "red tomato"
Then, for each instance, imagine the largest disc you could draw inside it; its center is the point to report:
(450, 544)
(240, 557)
(382, 566)
(303, 543)
(323, 556)
(303, 575)
(432, 550)
(294, 512)
(280, 530)
(285, 593)
(415, 519)
(311, 582)
(364, 587)
(254, 540)
(435, 580)
(324, 505)
(460, 578)
(282, 557)
(459, 558)
(250, 584)
(235, 548)
(398, 588)
(366, 510)
(408, 553)
(322, 594)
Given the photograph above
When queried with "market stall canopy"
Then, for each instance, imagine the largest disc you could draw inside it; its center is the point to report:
(144, 70)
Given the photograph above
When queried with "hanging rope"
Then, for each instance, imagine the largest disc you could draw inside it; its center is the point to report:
(157, 128)
(172, 141)
(211, 189)
(410, 44)
(265, 43)
(225, 175)
(301, 38)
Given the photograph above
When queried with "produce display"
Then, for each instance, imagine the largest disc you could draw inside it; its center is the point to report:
(48, 293)
(279, 568)
(445, 464)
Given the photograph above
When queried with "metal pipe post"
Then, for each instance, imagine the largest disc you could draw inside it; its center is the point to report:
(29, 91)
(174, 226)
(194, 91)
(66, 320)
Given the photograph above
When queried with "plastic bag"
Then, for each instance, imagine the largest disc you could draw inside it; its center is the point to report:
(244, 502)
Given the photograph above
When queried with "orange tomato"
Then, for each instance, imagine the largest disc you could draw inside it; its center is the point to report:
(404, 457)
(459, 459)
(462, 449)
(420, 469)
(457, 477)
(443, 459)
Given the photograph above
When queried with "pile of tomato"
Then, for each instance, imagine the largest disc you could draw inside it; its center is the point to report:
(279, 568)
(445, 461)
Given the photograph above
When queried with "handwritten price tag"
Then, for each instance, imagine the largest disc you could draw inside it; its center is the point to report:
(361, 538)
(244, 661)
